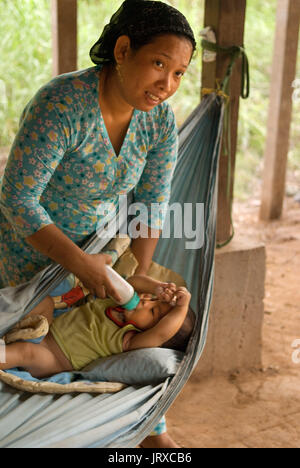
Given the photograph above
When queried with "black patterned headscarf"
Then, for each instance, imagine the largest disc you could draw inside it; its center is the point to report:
(140, 20)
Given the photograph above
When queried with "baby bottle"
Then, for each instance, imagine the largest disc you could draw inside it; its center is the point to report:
(129, 298)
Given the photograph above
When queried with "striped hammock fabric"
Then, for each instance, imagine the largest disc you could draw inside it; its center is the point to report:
(125, 418)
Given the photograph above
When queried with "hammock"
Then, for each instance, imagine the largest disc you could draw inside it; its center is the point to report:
(125, 418)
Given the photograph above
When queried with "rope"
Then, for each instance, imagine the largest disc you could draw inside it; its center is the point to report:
(217, 90)
(223, 90)
(235, 52)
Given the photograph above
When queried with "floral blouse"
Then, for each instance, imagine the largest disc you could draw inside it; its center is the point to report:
(62, 166)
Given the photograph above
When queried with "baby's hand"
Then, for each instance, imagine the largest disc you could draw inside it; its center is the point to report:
(183, 297)
(165, 292)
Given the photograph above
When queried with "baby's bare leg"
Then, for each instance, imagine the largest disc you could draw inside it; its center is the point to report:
(14, 354)
(36, 359)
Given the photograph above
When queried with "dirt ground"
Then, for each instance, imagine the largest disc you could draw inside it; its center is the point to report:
(256, 408)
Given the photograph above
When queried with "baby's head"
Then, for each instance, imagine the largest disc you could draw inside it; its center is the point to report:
(151, 310)
(182, 337)
(148, 312)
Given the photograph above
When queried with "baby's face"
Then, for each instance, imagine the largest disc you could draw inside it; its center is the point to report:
(148, 312)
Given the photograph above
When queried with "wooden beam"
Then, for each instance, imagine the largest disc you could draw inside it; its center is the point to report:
(280, 108)
(64, 35)
(227, 18)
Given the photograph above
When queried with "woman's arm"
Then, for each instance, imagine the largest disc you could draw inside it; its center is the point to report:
(165, 292)
(144, 248)
(144, 284)
(34, 157)
(53, 243)
(154, 187)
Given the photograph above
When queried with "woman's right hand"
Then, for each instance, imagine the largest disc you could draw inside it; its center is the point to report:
(93, 276)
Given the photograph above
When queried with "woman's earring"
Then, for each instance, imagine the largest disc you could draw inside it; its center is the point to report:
(118, 69)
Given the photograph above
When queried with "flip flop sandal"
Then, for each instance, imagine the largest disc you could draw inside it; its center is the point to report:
(30, 328)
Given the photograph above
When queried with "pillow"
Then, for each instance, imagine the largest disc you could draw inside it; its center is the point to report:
(139, 367)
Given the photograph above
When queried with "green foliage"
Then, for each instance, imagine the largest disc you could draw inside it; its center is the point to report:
(26, 62)
(25, 65)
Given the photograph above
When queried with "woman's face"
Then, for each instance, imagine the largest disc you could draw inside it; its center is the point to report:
(153, 73)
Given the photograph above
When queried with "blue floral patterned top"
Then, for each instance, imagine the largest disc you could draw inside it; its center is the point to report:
(62, 165)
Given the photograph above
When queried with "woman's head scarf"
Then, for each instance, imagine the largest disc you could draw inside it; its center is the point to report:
(140, 20)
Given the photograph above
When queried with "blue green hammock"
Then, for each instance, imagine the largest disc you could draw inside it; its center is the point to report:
(125, 418)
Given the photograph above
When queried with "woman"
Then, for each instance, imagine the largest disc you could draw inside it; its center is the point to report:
(88, 137)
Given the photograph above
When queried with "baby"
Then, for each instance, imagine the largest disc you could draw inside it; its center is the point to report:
(99, 328)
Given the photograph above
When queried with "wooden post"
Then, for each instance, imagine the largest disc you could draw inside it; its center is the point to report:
(64, 35)
(227, 18)
(280, 108)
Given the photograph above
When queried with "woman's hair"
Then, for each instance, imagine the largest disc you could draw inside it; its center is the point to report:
(141, 21)
(182, 337)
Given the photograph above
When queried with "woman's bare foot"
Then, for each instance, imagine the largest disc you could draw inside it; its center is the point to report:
(159, 441)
